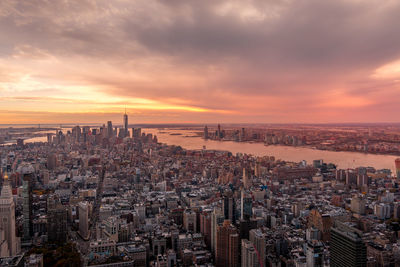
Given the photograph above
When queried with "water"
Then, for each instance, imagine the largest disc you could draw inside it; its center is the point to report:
(343, 160)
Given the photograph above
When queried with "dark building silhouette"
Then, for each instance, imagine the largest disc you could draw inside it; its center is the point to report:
(56, 221)
(227, 251)
(347, 247)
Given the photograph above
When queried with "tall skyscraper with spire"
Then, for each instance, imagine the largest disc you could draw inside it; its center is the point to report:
(7, 218)
(126, 130)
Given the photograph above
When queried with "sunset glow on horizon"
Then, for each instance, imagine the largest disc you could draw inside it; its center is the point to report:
(178, 61)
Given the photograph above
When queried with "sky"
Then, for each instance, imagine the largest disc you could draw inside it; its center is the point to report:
(199, 61)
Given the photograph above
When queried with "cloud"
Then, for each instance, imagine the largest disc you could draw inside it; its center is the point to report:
(265, 60)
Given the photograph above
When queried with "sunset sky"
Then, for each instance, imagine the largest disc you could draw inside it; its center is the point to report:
(199, 61)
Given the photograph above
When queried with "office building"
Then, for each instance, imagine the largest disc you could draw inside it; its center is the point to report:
(227, 250)
(229, 208)
(246, 206)
(245, 226)
(347, 247)
(217, 218)
(56, 221)
(51, 161)
(257, 238)
(315, 254)
(190, 221)
(205, 132)
(126, 130)
(397, 164)
(358, 205)
(323, 222)
(110, 132)
(205, 227)
(27, 173)
(7, 219)
(247, 183)
(136, 133)
(83, 209)
(250, 256)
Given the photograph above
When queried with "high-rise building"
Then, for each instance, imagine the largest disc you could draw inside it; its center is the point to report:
(258, 239)
(242, 135)
(346, 247)
(206, 132)
(76, 133)
(27, 172)
(56, 221)
(110, 132)
(340, 175)
(315, 254)
(323, 222)
(7, 218)
(250, 256)
(227, 251)
(351, 177)
(397, 163)
(190, 220)
(51, 161)
(205, 227)
(246, 206)
(136, 132)
(358, 205)
(20, 143)
(229, 208)
(217, 218)
(83, 209)
(257, 170)
(126, 130)
(245, 226)
(219, 133)
(246, 179)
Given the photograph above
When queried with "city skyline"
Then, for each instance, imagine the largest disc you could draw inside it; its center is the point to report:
(199, 61)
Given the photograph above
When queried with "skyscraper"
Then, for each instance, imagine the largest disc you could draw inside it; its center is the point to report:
(315, 254)
(397, 163)
(189, 220)
(229, 208)
(250, 256)
(56, 220)
(206, 132)
(51, 161)
(247, 183)
(126, 130)
(258, 239)
(227, 251)
(7, 218)
(205, 227)
(110, 132)
(246, 206)
(27, 172)
(346, 247)
(323, 222)
(217, 218)
(83, 208)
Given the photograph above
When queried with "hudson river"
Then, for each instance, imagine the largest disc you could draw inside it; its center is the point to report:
(289, 153)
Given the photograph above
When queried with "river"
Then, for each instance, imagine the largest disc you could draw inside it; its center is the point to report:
(343, 160)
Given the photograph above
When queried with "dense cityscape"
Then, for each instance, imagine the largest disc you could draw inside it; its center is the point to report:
(115, 196)
(199, 133)
(374, 138)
